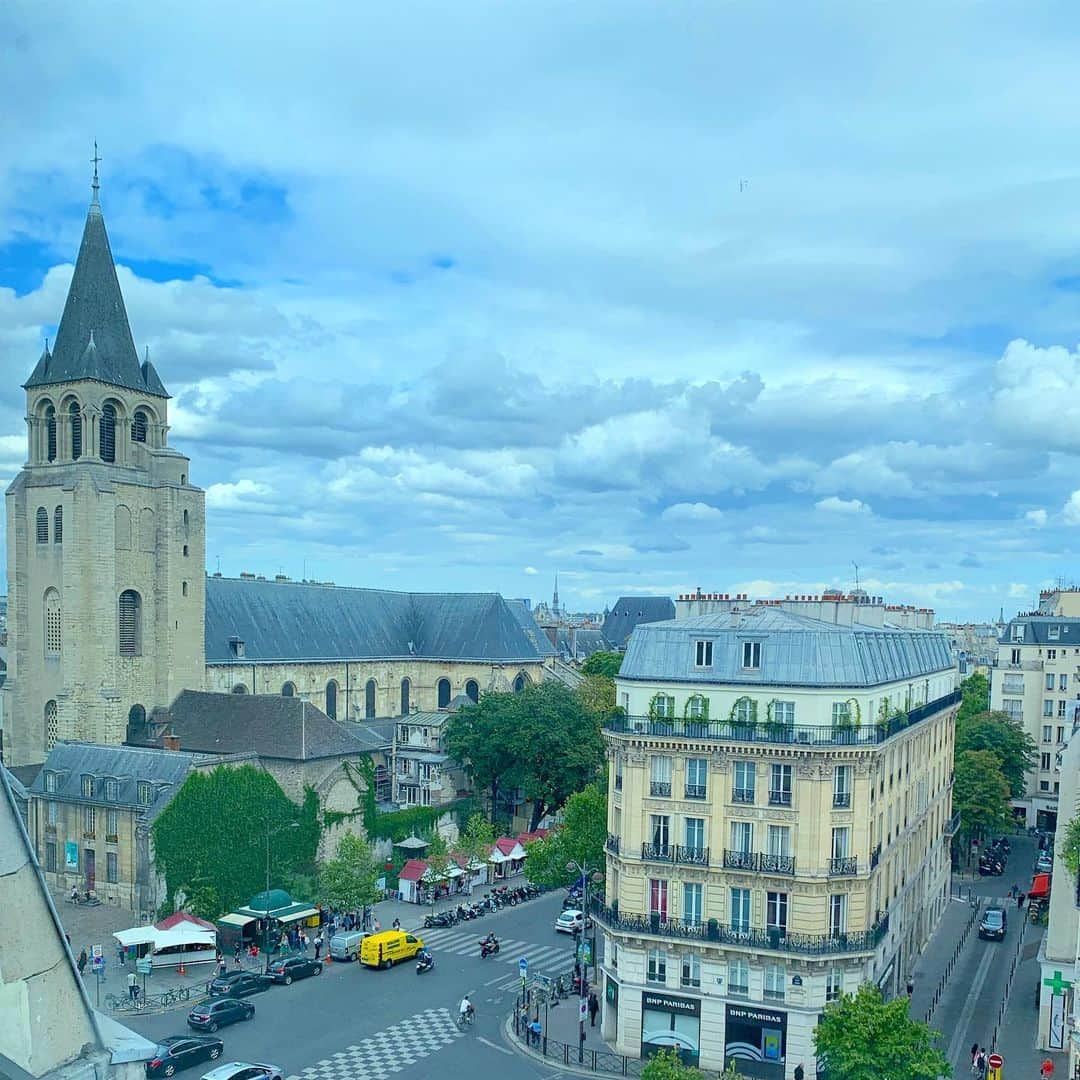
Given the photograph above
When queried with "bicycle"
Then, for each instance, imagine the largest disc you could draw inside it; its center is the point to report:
(465, 1019)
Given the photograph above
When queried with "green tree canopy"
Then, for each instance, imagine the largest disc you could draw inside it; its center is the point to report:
(580, 838)
(347, 881)
(210, 841)
(480, 738)
(975, 691)
(1070, 846)
(476, 839)
(597, 694)
(980, 794)
(864, 1037)
(1006, 739)
(603, 663)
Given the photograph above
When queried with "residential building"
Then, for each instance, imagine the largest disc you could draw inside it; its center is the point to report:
(779, 825)
(1037, 681)
(423, 773)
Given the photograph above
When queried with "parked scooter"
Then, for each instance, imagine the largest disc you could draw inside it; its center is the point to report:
(424, 961)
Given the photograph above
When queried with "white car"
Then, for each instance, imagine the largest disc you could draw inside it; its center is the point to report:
(245, 1070)
(570, 921)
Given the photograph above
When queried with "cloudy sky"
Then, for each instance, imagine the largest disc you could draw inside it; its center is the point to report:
(654, 295)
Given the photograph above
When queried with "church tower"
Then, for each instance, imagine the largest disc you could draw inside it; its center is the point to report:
(105, 533)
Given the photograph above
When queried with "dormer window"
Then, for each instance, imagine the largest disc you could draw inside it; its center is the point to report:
(112, 790)
(703, 654)
(751, 655)
(50, 783)
(236, 646)
(1018, 632)
(87, 787)
(145, 793)
(1054, 633)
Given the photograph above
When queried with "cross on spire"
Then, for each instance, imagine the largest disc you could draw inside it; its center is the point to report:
(95, 161)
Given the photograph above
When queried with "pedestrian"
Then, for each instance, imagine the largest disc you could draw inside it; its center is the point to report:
(375, 924)
(133, 986)
(594, 1008)
(1046, 1069)
(121, 954)
(974, 1054)
(236, 952)
(1014, 890)
(397, 924)
(800, 1072)
(318, 944)
(81, 962)
(980, 1062)
(910, 988)
(1020, 900)
(536, 1031)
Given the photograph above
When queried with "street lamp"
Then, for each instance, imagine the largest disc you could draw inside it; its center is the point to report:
(586, 875)
(266, 895)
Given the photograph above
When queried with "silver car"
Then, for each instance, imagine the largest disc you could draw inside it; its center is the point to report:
(245, 1070)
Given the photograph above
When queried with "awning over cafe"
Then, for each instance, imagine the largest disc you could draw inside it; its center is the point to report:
(1040, 887)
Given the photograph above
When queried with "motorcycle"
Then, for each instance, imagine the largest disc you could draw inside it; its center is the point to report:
(489, 948)
(443, 918)
(425, 962)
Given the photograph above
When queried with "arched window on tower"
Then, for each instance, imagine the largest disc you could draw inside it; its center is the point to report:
(129, 628)
(405, 688)
(139, 426)
(136, 725)
(472, 690)
(75, 419)
(42, 523)
(58, 525)
(239, 688)
(108, 432)
(50, 433)
(53, 624)
(331, 699)
(369, 700)
(52, 725)
(443, 692)
(288, 690)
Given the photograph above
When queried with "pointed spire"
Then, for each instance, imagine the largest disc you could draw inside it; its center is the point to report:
(555, 596)
(95, 186)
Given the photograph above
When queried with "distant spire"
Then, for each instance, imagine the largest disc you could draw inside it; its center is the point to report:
(95, 186)
(555, 596)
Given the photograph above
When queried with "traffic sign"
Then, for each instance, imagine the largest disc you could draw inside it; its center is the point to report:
(523, 966)
(995, 1061)
(144, 965)
(583, 1010)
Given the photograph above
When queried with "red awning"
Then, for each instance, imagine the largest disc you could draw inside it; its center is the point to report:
(1040, 886)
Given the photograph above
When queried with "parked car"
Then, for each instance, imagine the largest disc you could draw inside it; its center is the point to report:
(244, 1070)
(571, 921)
(294, 967)
(346, 945)
(181, 1052)
(239, 984)
(1045, 863)
(214, 1014)
(992, 926)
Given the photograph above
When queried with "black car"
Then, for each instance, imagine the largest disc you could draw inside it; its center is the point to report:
(239, 984)
(992, 927)
(294, 967)
(210, 1015)
(181, 1052)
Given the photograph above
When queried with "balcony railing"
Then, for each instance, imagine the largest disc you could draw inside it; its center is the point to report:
(742, 795)
(875, 857)
(695, 791)
(692, 856)
(951, 826)
(869, 734)
(841, 800)
(778, 864)
(779, 798)
(658, 852)
(88, 834)
(760, 862)
(844, 867)
(112, 838)
(660, 788)
(740, 860)
(612, 844)
(860, 941)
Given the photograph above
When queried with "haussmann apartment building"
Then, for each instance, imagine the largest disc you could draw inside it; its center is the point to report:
(779, 821)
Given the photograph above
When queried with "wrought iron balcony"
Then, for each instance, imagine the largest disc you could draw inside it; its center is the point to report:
(742, 795)
(952, 826)
(740, 860)
(861, 941)
(779, 798)
(612, 844)
(692, 856)
(660, 788)
(695, 791)
(841, 800)
(843, 867)
(658, 852)
(777, 864)
(875, 857)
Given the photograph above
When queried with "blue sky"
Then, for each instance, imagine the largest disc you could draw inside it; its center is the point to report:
(657, 296)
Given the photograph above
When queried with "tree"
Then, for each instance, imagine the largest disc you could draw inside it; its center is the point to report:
(1006, 739)
(439, 861)
(980, 794)
(480, 738)
(863, 1037)
(1070, 847)
(603, 663)
(210, 841)
(975, 697)
(476, 840)
(580, 839)
(348, 881)
(667, 1065)
(597, 694)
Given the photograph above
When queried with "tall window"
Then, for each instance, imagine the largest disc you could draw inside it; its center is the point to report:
(742, 837)
(50, 856)
(837, 915)
(42, 523)
(58, 525)
(144, 792)
(703, 653)
(779, 840)
(658, 897)
(443, 692)
(656, 972)
(472, 690)
(288, 690)
(660, 777)
(743, 790)
(52, 732)
(744, 711)
(89, 822)
(86, 786)
(842, 786)
(112, 875)
(695, 834)
(108, 432)
(663, 706)
(130, 623)
(834, 984)
(738, 977)
(840, 842)
(138, 427)
(740, 911)
(50, 429)
(783, 712)
(112, 824)
(697, 769)
(53, 632)
(776, 911)
(690, 973)
(331, 699)
(693, 903)
(661, 833)
(369, 700)
(775, 978)
(404, 697)
(751, 654)
(780, 785)
(697, 707)
(75, 420)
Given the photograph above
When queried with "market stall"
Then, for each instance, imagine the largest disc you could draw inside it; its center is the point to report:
(181, 939)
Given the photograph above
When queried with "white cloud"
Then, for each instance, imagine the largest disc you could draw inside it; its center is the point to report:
(1070, 512)
(835, 505)
(1019, 591)
(241, 495)
(1036, 517)
(692, 512)
(531, 571)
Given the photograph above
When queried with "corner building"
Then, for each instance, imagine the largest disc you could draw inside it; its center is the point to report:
(779, 819)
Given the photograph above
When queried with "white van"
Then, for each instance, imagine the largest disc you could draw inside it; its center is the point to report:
(346, 945)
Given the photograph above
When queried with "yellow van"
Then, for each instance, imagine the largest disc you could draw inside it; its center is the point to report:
(388, 948)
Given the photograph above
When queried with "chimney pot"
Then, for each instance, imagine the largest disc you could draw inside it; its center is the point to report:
(172, 742)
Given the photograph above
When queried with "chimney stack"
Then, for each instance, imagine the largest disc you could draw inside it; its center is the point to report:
(172, 742)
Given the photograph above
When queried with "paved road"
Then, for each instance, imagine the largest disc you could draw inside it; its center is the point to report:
(352, 1023)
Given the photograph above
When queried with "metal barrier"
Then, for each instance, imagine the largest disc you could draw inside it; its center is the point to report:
(954, 959)
(165, 1000)
(1008, 985)
(598, 1061)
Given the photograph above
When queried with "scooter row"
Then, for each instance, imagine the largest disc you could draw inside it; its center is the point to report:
(490, 902)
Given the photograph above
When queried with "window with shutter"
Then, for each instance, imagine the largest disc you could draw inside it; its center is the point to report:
(50, 427)
(42, 522)
(75, 419)
(108, 432)
(53, 632)
(138, 427)
(130, 637)
(58, 525)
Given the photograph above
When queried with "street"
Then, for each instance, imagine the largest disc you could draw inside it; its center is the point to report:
(353, 1023)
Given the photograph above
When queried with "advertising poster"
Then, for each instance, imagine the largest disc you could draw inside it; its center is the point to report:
(71, 855)
(670, 1022)
(1057, 1022)
(756, 1038)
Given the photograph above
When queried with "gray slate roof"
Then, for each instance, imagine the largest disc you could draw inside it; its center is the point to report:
(795, 651)
(578, 643)
(94, 339)
(286, 728)
(630, 611)
(297, 621)
(1037, 631)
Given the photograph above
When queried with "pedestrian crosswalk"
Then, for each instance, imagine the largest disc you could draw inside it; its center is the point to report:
(547, 959)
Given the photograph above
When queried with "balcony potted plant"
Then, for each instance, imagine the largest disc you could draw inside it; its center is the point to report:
(775, 729)
(848, 722)
(661, 718)
(743, 717)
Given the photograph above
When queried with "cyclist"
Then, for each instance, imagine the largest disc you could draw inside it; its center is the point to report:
(466, 1011)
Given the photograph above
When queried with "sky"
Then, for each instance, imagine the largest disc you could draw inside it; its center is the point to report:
(746, 296)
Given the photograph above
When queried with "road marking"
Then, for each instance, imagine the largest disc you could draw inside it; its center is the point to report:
(498, 978)
(969, 1006)
(488, 1042)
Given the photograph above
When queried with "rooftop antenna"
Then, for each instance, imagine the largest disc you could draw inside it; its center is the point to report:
(856, 565)
(95, 160)
(218, 564)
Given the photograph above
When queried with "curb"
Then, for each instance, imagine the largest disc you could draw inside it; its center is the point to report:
(526, 1051)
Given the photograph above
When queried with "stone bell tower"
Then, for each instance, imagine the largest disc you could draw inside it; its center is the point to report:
(105, 532)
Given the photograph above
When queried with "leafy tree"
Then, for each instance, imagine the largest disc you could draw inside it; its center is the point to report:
(667, 1065)
(476, 839)
(210, 841)
(347, 882)
(580, 838)
(603, 663)
(975, 697)
(480, 738)
(1006, 739)
(597, 694)
(1070, 848)
(864, 1037)
(980, 794)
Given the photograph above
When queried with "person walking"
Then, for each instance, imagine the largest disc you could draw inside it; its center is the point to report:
(133, 985)
(121, 954)
(1020, 898)
(318, 944)
(81, 962)
(1046, 1069)
(980, 1063)
(594, 1008)
(800, 1072)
